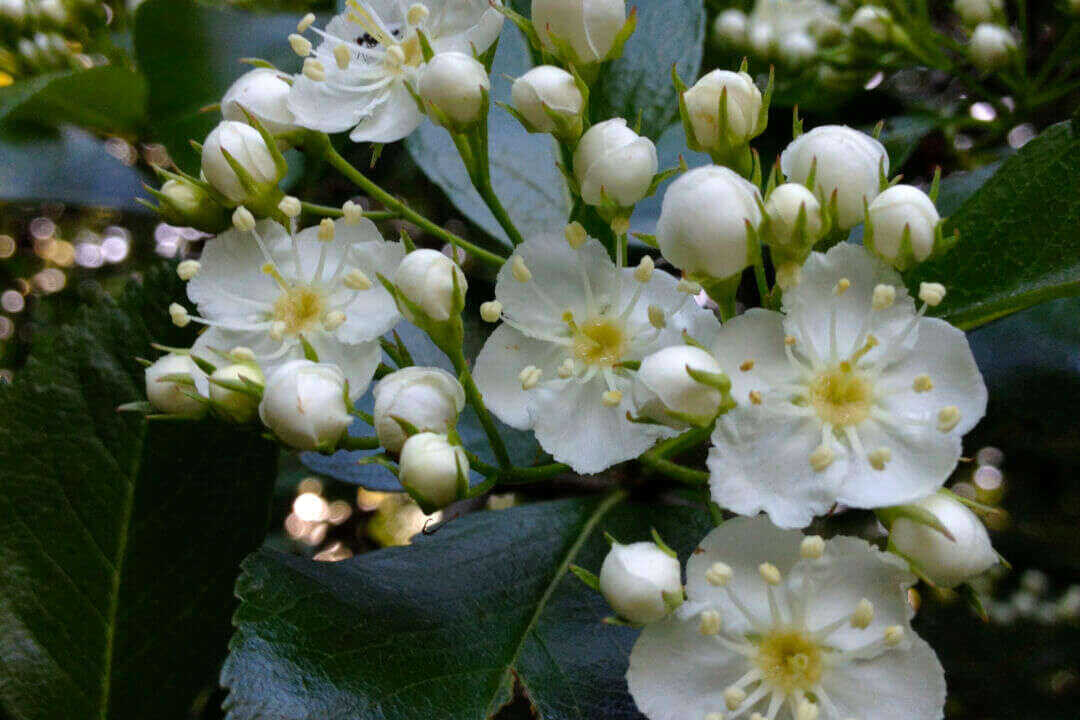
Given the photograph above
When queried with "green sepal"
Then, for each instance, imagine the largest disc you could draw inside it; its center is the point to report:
(935, 185)
(260, 63)
(239, 387)
(523, 24)
(462, 477)
(425, 46)
(673, 601)
(622, 37)
(661, 544)
(586, 577)
(688, 339)
(309, 350)
(406, 427)
(796, 124)
(611, 539)
(649, 240)
(915, 514)
(719, 381)
(406, 240)
(177, 378)
(971, 598)
(139, 406)
(620, 622)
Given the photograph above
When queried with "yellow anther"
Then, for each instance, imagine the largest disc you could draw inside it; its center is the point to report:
(734, 697)
(932, 293)
(333, 320)
(893, 635)
(243, 220)
(418, 13)
(755, 397)
(242, 354)
(719, 574)
(884, 297)
(355, 279)
(644, 270)
(520, 270)
(770, 573)
(879, 458)
(657, 318)
(530, 377)
(575, 235)
(790, 340)
(300, 45)
(688, 287)
(188, 269)
(342, 56)
(179, 315)
(710, 623)
(812, 547)
(863, 615)
(290, 206)
(841, 287)
(326, 230)
(747, 366)
(922, 384)
(612, 398)
(491, 311)
(305, 22)
(314, 70)
(395, 56)
(352, 213)
(948, 418)
(822, 458)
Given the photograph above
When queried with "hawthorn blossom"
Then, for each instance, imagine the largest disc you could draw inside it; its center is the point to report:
(780, 626)
(357, 76)
(574, 327)
(850, 396)
(272, 290)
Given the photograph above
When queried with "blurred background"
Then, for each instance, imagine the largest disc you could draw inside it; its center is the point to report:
(70, 228)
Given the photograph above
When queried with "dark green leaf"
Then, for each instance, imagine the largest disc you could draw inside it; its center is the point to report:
(107, 98)
(119, 538)
(447, 627)
(1019, 244)
(190, 55)
(902, 134)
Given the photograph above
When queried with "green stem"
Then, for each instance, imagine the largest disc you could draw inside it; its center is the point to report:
(473, 149)
(394, 205)
(515, 475)
(483, 186)
(675, 471)
(336, 212)
(477, 401)
(359, 443)
(681, 443)
(1059, 53)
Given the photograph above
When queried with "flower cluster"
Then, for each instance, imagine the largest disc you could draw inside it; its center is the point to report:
(838, 392)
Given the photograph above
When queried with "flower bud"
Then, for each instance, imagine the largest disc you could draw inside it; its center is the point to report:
(668, 394)
(452, 87)
(613, 163)
(741, 121)
(545, 91)
(170, 396)
(975, 12)
(590, 27)
(429, 399)
(781, 229)
(634, 579)
(902, 210)
(702, 227)
(239, 406)
(430, 467)
(945, 562)
(761, 37)
(991, 47)
(729, 28)
(873, 23)
(426, 279)
(304, 405)
(796, 49)
(848, 163)
(249, 150)
(183, 203)
(264, 93)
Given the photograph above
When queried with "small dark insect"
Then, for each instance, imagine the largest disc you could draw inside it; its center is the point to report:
(366, 40)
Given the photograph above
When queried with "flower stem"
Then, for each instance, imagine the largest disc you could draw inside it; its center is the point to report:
(327, 151)
(359, 443)
(516, 475)
(336, 212)
(681, 443)
(457, 357)
(675, 471)
(473, 149)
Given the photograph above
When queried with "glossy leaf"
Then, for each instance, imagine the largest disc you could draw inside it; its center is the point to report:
(108, 98)
(119, 538)
(447, 627)
(1019, 244)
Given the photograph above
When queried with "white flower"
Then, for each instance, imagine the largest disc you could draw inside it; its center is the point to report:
(975, 12)
(264, 93)
(248, 148)
(875, 23)
(304, 405)
(589, 26)
(429, 399)
(849, 397)
(782, 210)
(547, 89)
(634, 579)
(845, 161)
(760, 36)
(614, 163)
(780, 628)
(902, 208)
(729, 28)
(13, 11)
(666, 392)
(703, 222)
(990, 47)
(240, 406)
(172, 397)
(364, 82)
(271, 290)
(743, 105)
(797, 48)
(430, 468)
(945, 562)
(572, 324)
(426, 278)
(453, 84)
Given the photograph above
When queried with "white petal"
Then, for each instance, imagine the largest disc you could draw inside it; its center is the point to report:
(373, 313)
(942, 352)
(394, 118)
(505, 354)
(757, 337)
(557, 284)
(811, 304)
(760, 460)
(853, 569)
(921, 459)
(572, 423)
(231, 273)
(471, 29)
(681, 313)
(678, 674)
(358, 362)
(327, 106)
(903, 684)
(742, 544)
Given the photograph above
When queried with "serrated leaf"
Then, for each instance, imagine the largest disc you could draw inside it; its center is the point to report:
(446, 627)
(119, 538)
(1019, 244)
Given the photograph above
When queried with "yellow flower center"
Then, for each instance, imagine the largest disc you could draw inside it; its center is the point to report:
(298, 308)
(841, 395)
(600, 341)
(790, 660)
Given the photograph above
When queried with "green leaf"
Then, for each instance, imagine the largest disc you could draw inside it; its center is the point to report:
(902, 135)
(1019, 244)
(523, 166)
(447, 627)
(189, 54)
(109, 98)
(120, 538)
(669, 32)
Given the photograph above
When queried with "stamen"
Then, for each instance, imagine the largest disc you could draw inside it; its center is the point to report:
(352, 213)
(242, 354)
(807, 711)
(314, 70)
(894, 634)
(520, 270)
(305, 22)
(932, 293)
(790, 340)
(179, 314)
(355, 279)
(491, 311)
(188, 269)
(395, 56)
(870, 344)
(566, 370)
(290, 206)
(822, 457)
(333, 320)
(300, 45)
(243, 220)
(719, 574)
(644, 270)
(656, 317)
(812, 547)
(530, 377)
(922, 384)
(733, 697)
(863, 615)
(755, 397)
(575, 235)
(612, 398)
(688, 287)
(271, 270)
(342, 56)
(364, 18)
(884, 297)
(948, 418)
(747, 366)
(878, 458)
(710, 623)
(841, 287)
(417, 14)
